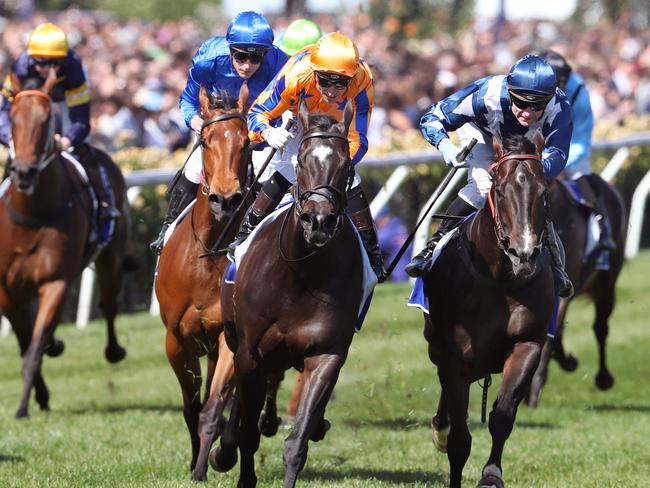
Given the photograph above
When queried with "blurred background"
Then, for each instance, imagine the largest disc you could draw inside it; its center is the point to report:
(137, 55)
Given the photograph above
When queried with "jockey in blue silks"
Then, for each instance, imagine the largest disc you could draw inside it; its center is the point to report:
(47, 49)
(222, 64)
(524, 101)
(578, 166)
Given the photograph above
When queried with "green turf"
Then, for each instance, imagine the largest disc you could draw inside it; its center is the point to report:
(121, 425)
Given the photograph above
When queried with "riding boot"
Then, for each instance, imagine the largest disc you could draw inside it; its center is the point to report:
(359, 213)
(421, 263)
(594, 201)
(267, 199)
(563, 285)
(182, 194)
(107, 210)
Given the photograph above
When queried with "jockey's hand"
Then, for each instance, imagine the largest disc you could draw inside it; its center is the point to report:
(196, 124)
(450, 151)
(277, 137)
(62, 142)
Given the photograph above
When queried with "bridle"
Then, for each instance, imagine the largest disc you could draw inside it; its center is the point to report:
(492, 196)
(49, 150)
(336, 197)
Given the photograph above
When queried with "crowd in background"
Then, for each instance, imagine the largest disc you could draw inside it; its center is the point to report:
(137, 69)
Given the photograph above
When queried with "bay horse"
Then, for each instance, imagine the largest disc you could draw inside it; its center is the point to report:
(46, 219)
(491, 298)
(190, 271)
(291, 306)
(572, 223)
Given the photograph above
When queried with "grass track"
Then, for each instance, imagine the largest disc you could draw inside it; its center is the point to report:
(121, 426)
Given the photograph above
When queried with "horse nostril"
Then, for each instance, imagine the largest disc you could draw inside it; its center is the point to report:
(306, 221)
(234, 201)
(329, 222)
(215, 198)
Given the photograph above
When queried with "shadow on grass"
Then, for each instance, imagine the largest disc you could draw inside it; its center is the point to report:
(135, 407)
(9, 458)
(535, 425)
(607, 407)
(391, 424)
(397, 477)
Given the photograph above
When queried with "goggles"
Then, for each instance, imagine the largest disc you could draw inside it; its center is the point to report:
(536, 105)
(255, 56)
(329, 79)
(47, 62)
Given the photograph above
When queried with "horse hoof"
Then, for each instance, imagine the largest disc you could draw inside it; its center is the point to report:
(269, 426)
(55, 348)
(114, 354)
(439, 438)
(490, 481)
(22, 413)
(199, 476)
(568, 363)
(321, 430)
(222, 460)
(604, 380)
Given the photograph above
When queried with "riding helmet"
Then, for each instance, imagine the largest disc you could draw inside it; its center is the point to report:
(47, 41)
(299, 33)
(250, 30)
(335, 53)
(559, 64)
(532, 77)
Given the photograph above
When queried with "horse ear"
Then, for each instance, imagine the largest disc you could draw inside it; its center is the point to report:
(204, 99)
(50, 81)
(539, 141)
(303, 113)
(16, 84)
(497, 145)
(244, 93)
(348, 113)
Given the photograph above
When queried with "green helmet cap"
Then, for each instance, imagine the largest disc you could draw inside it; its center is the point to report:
(299, 33)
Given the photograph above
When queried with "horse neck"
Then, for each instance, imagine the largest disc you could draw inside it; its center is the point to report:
(51, 193)
(482, 234)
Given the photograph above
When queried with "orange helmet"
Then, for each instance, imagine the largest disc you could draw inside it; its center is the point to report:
(47, 41)
(335, 53)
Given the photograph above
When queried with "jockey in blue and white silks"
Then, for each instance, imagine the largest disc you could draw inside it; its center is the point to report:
(524, 101)
(222, 64)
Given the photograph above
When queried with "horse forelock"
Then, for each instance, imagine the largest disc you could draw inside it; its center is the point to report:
(221, 100)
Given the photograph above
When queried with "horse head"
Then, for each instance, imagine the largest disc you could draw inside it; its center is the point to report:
(32, 131)
(224, 144)
(518, 201)
(323, 173)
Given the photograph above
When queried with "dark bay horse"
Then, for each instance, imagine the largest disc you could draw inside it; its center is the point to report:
(571, 222)
(291, 304)
(46, 219)
(188, 281)
(491, 298)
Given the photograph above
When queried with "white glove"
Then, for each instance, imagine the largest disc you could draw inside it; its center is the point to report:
(277, 137)
(449, 151)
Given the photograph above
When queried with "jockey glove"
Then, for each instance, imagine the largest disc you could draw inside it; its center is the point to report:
(449, 151)
(277, 137)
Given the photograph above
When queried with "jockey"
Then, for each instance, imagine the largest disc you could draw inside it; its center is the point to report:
(328, 74)
(578, 166)
(47, 49)
(245, 54)
(524, 101)
(298, 34)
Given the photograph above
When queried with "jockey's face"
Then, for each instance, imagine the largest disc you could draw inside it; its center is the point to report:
(526, 116)
(43, 66)
(331, 89)
(246, 63)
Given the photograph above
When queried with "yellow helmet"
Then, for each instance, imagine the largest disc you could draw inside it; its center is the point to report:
(335, 53)
(47, 41)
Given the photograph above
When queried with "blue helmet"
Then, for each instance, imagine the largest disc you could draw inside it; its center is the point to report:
(250, 30)
(532, 76)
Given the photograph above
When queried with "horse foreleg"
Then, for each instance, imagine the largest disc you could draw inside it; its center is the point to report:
(459, 442)
(322, 373)
(252, 385)
(269, 421)
(604, 296)
(188, 371)
(51, 296)
(109, 277)
(541, 373)
(211, 419)
(568, 362)
(517, 372)
(440, 424)
(292, 406)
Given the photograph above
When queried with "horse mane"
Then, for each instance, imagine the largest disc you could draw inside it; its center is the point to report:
(519, 144)
(33, 83)
(321, 122)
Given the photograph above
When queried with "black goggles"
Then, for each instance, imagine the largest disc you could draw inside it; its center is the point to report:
(47, 62)
(255, 57)
(327, 80)
(535, 105)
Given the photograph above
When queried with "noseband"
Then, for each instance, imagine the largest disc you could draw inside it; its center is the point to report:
(49, 151)
(502, 238)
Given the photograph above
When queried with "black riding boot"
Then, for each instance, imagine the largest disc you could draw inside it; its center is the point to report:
(563, 285)
(182, 194)
(267, 199)
(594, 201)
(421, 262)
(359, 213)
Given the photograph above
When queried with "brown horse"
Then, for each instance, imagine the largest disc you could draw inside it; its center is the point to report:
(571, 222)
(188, 281)
(291, 307)
(491, 298)
(46, 216)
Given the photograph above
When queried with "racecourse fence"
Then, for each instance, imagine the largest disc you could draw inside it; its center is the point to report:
(404, 165)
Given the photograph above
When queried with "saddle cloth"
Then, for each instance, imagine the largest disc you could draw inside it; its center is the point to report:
(369, 278)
